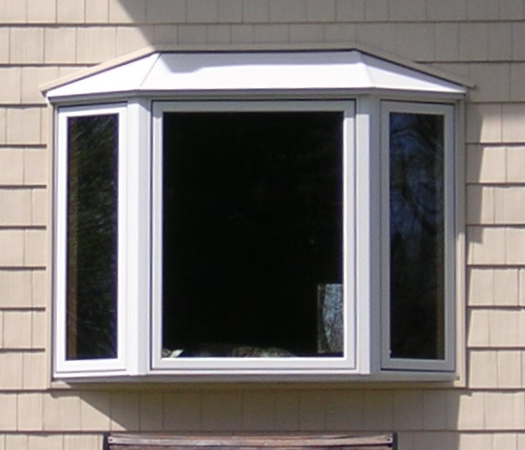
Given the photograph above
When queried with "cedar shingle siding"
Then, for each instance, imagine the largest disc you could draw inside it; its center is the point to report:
(478, 40)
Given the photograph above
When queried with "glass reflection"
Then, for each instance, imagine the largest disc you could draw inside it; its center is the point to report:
(417, 235)
(92, 237)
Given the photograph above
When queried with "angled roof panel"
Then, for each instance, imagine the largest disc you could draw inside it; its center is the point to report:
(124, 78)
(223, 71)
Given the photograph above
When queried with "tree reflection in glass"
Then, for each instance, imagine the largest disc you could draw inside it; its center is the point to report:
(417, 235)
(92, 237)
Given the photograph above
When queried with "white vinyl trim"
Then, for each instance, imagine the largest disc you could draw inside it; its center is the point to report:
(62, 364)
(367, 232)
(447, 111)
(348, 361)
(138, 195)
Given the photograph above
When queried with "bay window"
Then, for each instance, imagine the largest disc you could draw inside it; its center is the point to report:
(257, 215)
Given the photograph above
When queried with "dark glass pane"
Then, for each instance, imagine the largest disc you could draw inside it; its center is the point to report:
(253, 234)
(92, 237)
(417, 235)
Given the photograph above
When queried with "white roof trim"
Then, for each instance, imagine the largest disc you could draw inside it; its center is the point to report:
(163, 72)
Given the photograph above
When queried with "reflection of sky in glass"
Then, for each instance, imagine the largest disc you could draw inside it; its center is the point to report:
(416, 233)
(92, 237)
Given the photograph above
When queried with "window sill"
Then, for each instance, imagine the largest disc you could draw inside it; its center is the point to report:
(383, 379)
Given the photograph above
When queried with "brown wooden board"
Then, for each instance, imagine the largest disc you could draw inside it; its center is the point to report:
(121, 441)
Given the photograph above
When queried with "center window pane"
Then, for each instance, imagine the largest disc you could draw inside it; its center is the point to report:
(252, 234)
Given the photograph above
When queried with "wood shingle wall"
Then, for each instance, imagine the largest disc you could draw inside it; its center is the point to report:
(480, 40)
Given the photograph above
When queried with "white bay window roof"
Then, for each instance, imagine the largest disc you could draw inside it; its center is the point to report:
(163, 72)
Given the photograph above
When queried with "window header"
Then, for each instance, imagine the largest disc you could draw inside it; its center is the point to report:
(253, 71)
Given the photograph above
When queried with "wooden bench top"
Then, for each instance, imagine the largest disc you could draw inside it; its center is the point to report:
(125, 441)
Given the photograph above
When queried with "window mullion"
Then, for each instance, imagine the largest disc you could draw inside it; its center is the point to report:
(367, 258)
(137, 246)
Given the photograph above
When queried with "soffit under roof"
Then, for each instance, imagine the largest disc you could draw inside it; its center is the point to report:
(162, 72)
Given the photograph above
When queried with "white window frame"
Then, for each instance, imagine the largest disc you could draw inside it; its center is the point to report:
(348, 361)
(449, 182)
(62, 365)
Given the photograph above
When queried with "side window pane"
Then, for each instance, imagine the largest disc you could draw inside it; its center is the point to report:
(92, 237)
(417, 235)
(252, 234)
